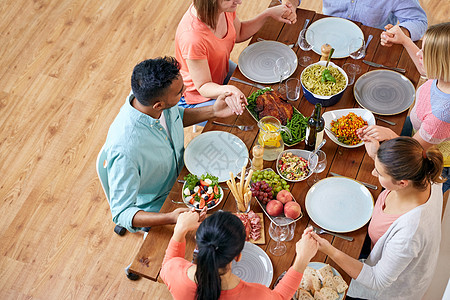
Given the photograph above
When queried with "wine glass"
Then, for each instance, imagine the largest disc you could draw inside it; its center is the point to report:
(278, 231)
(357, 48)
(317, 164)
(305, 44)
(281, 69)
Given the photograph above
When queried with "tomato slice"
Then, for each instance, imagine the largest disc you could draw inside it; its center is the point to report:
(202, 203)
(204, 183)
(216, 190)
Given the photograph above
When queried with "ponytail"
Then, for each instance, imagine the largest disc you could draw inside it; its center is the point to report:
(405, 159)
(220, 238)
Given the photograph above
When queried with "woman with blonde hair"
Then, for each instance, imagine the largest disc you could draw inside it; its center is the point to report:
(405, 229)
(429, 120)
(204, 40)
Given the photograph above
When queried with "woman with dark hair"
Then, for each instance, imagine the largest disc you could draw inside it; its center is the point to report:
(220, 239)
(405, 229)
(204, 40)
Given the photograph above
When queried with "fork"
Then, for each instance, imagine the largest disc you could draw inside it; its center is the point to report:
(320, 231)
(241, 127)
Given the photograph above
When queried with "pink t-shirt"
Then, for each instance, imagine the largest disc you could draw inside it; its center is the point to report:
(430, 116)
(174, 274)
(381, 221)
(194, 40)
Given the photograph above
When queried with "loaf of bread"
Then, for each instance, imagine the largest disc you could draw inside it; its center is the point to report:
(339, 283)
(328, 281)
(304, 295)
(326, 293)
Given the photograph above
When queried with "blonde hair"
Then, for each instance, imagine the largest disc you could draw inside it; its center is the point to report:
(207, 11)
(436, 53)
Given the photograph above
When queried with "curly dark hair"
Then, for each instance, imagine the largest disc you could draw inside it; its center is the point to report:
(152, 77)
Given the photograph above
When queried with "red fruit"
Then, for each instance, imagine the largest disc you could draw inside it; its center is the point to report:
(292, 210)
(274, 208)
(284, 196)
(202, 203)
(204, 183)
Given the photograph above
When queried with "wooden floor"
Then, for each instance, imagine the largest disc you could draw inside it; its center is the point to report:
(65, 71)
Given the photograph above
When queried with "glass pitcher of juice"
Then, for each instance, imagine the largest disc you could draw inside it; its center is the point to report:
(270, 137)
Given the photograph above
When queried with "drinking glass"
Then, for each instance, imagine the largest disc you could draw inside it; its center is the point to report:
(241, 162)
(281, 69)
(357, 48)
(317, 164)
(306, 45)
(352, 70)
(292, 89)
(278, 231)
(291, 230)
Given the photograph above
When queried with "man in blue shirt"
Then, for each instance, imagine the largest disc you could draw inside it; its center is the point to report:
(381, 14)
(145, 143)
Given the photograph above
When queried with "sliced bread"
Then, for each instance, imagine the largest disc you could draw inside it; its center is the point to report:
(340, 285)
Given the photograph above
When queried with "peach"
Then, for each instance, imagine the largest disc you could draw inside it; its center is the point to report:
(284, 196)
(292, 210)
(274, 208)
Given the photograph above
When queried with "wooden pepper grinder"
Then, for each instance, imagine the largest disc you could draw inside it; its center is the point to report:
(325, 49)
(257, 162)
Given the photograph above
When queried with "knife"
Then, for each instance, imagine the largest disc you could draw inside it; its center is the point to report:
(259, 86)
(370, 186)
(370, 63)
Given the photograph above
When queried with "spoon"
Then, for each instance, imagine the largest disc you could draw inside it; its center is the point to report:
(320, 146)
(329, 57)
(313, 159)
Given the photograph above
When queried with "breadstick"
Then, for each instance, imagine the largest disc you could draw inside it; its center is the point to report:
(249, 198)
(232, 178)
(247, 182)
(233, 189)
(241, 184)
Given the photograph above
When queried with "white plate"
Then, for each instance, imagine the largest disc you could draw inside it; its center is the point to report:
(318, 265)
(255, 265)
(256, 62)
(215, 152)
(339, 204)
(336, 114)
(337, 32)
(384, 92)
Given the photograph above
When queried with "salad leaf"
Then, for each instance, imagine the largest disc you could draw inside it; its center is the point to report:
(214, 179)
(191, 181)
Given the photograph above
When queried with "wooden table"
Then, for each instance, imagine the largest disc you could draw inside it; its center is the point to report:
(353, 163)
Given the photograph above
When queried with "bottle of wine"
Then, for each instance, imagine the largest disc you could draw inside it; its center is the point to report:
(314, 131)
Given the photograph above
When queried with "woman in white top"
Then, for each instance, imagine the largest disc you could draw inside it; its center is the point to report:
(403, 259)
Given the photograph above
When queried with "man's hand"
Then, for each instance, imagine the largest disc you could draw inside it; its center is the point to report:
(290, 15)
(187, 221)
(174, 214)
(394, 35)
(323, 244)
(228, 104)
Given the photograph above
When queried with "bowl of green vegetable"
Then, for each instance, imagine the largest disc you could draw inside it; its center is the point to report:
(323, 85)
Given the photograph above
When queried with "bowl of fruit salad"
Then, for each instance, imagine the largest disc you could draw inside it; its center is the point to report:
(292, 165)
(202, 191)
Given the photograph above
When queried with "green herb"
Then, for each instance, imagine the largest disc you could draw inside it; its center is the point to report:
(191, 181)
(252, 101)
(326, 76)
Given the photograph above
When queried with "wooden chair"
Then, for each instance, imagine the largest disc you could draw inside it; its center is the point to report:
(103, 176)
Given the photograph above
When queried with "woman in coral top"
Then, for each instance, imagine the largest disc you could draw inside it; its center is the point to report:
(220, 239)
(204, 40)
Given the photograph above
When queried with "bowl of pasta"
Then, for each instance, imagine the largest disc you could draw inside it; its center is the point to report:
(325, 92)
